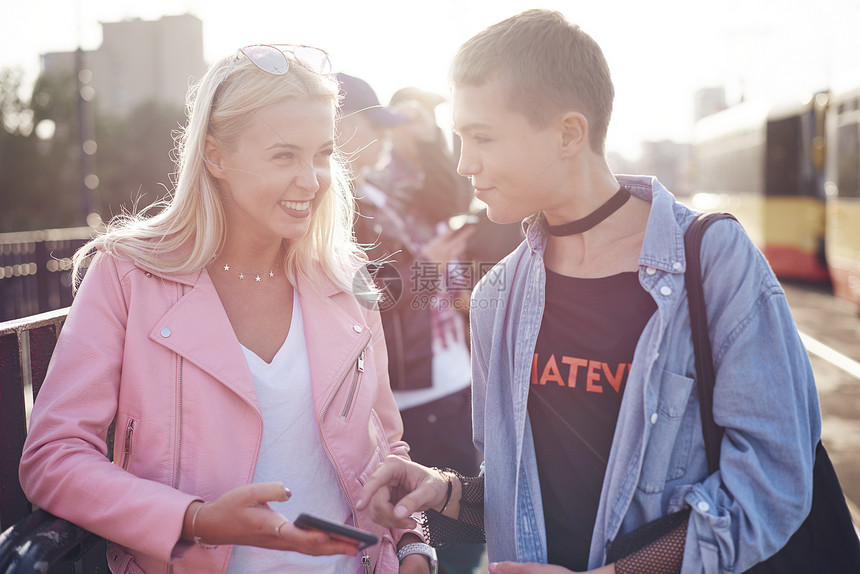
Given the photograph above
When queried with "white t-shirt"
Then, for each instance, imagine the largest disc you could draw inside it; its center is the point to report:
(292, 453)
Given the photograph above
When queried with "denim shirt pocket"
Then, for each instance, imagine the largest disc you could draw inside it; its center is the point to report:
(670, 440)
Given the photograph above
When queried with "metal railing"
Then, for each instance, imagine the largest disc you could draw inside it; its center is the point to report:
(26, 346)
(35, 270)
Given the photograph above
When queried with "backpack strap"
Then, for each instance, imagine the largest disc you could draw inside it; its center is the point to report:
(705, 372)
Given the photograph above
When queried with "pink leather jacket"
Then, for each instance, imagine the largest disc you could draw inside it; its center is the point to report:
(157, 354)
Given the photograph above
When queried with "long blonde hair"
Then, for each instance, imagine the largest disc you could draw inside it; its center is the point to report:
(189, 230)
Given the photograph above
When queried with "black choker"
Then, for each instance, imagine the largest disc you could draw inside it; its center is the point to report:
(582, 225)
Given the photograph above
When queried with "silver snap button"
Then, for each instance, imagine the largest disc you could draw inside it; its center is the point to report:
(676, 265)
(148, 274)
(165, 332)
(654, 418)
(703, 506)
(664, 290)
(650, 270)
(357, 328)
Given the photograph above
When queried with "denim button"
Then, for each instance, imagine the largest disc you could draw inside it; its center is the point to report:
(654, 418)
(703, 506)
(165, 332)
(665, 290)
(676, 265)
(356, 328)
(650, 270)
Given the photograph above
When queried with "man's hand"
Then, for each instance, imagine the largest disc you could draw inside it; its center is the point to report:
(447, 247)
(399, 487)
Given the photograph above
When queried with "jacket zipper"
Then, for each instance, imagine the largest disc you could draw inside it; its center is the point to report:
(365, 558)
(179, 418)
(179, 429)
(126, 453)
(179, 411)
(400, 359)
(359, 369)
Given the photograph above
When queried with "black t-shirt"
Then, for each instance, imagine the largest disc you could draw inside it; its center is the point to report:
(588, 334)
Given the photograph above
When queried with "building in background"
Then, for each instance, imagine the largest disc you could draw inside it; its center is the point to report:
(139, 61)
(670, 162)
(707, 101)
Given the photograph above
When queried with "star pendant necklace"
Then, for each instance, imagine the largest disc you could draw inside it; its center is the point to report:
(258, 277)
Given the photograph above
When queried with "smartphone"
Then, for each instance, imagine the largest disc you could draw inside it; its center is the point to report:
(364, 538)
(462, 222)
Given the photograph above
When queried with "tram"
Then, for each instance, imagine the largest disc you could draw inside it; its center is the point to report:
(765, 165)
(843, 193)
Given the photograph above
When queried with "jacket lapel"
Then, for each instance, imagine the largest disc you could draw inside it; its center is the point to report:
(197, 329)
(336, 333)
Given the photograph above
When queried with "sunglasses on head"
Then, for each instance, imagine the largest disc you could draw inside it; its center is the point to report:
(272, 58)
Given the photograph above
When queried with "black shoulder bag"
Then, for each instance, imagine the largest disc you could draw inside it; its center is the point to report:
(826, 541)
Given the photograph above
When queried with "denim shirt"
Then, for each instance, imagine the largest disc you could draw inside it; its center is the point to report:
(765, 397)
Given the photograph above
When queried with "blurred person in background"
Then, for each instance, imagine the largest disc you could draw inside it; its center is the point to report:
(423, 170)
(404, 209)
(421, 167)
(222, 336)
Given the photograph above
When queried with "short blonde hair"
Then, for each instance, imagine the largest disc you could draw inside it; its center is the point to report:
(191, 220)
(548, 66)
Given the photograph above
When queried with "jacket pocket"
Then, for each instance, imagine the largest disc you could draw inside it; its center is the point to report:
(128, 442)
(671, 435)
(353, 387)
(120, 561)
(386, 561)
(381, 448)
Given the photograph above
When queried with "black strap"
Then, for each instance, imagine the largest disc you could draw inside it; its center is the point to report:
(612, 205)
(705, 373)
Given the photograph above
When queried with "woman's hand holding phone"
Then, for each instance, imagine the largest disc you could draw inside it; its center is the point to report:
(243, 516)
(336, 530)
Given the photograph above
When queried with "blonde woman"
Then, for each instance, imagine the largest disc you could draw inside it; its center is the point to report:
(222, 339)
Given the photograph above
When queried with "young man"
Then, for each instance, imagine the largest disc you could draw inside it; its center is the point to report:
(584, 399)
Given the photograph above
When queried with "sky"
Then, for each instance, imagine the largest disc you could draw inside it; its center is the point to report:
(659, 52)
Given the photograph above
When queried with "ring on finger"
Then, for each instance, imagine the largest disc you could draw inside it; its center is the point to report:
(278, 529)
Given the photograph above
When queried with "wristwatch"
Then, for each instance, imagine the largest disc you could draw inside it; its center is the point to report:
(419, 548)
